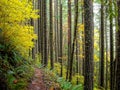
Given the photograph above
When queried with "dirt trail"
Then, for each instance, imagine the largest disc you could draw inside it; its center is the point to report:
(37, 81)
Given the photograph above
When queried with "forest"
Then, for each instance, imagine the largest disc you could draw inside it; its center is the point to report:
(59, 44)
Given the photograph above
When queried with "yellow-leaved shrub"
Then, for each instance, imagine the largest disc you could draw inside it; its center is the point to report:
(15, 16)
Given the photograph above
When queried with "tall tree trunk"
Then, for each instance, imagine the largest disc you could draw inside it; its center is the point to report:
(83, 44)
(69, 37)
(61, 39)
(106, 37)
(116, 29)
(39, 25)
(51, 35)
(45, 34)
(111, 46)
(42, 31)
(77, 37)
(89, 48)
(56, 28)
(118, 50)
(74, 40)
(102, 46)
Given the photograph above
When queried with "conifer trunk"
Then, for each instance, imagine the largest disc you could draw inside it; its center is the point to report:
(89, 33)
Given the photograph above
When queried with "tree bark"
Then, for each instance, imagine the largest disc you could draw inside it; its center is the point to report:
(102, 46)
(74, 40)
(61, 39)
(51, 35)
(89, 48)
(118, 50)
(45, 34)
(69, 37)
(111, 46)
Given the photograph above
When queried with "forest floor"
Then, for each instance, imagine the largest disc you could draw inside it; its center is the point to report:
(37, 82)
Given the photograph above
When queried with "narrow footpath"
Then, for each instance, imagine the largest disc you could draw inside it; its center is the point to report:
(37, 81)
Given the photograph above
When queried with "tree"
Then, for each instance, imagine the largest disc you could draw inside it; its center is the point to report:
(45, 53)
(88, 21)
(106, 50)
(111, 46)
(77, 37)
(118, 50)
(74, 40)
(41, 30)
(56, 28)
(61, 38)
(39, 27)
(102, 46)
(69, 37)
(83, 43)
(51, 35)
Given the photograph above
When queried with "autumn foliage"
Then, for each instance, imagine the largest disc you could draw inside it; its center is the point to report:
(16, 41)
(15, 28)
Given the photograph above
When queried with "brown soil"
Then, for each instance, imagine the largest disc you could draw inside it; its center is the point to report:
(37, 81)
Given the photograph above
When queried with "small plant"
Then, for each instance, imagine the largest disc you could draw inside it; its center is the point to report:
(78, 87)
(65, 85)
(78, 78)
(15, 71)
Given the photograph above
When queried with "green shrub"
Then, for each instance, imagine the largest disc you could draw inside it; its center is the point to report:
(15, 70)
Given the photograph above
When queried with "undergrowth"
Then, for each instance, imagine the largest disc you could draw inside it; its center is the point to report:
(53, 80)
(15, 71)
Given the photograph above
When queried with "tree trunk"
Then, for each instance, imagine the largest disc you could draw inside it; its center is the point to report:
(51, 35)
(118, 50)
(61, 39)
(77, 37)
(42, 31)
(45, 35)
(106, 41)
(89, 48)
(56, 28)
(102, 46)
(111, 46)
(74, 40)
(69, 37)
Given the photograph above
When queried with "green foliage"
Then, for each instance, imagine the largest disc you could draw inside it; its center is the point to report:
(37, 62)
(97, 1)
(15, 71)
(78, 78)
(78, 87)
(53, 76)
(15, 83)
(52, 79)
(65, 85)
(16, 78)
